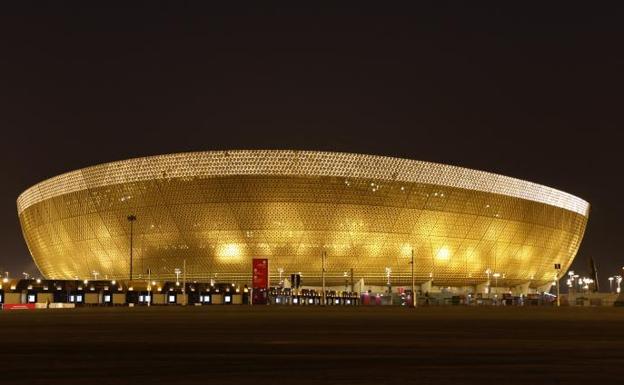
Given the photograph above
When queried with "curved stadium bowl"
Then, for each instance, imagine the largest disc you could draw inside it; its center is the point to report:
(218, 210)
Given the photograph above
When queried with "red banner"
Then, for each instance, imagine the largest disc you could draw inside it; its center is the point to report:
(18, 306)
(260, 273)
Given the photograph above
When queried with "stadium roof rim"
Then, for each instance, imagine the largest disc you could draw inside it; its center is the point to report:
(294, 163)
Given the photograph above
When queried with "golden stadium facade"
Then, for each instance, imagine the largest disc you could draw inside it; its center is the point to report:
(218, 210)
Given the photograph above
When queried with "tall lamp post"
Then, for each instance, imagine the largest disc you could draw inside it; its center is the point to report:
(281, 282)
(388, 273)
(610, 284)
(323, 256)
(557, 271)
(414, 300)
(496, 275)
(177, 272)
(131, 219)
(184, 282)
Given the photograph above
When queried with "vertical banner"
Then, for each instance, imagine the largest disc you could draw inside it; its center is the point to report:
(260, 280)
(260, 273)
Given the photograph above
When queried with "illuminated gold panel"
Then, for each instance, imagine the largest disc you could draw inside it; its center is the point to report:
(218, 210)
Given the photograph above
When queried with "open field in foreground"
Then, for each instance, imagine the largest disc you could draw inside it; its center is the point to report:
(311, 345)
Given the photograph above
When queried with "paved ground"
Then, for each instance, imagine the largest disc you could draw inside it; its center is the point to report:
(262, 345)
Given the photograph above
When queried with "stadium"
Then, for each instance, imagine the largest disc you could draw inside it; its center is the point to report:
(362, 216)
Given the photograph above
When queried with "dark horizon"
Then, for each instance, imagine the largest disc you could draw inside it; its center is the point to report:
(531, 94)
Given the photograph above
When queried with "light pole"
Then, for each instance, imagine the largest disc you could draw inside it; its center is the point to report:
(351, 280)
(489, 289)
(414, 300)
(588, 282)
(177, 272)
(184, 281)
(280, 271)
(95, 275)
(557, 270)
(323, 256)
(388, 273)
(149, 286)
(131, 219)
(610, 284)
(496, 275)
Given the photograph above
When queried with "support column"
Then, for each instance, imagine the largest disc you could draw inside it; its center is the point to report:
(359, 286)
(521, 289)
(545, 287)
(482, 288)
(426, 287)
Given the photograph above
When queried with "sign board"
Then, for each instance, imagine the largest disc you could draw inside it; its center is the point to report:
(18, 306)
(557, 266)
(260, 281)
(260, 278)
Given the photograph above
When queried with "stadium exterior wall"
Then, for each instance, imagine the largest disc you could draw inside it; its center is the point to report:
(218, 210)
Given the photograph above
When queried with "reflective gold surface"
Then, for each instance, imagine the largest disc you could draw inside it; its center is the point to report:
(218, 210)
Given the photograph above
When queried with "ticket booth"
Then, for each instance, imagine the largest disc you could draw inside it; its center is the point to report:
(61, 292)
(217, 298)
(181, 298)
(76, 297)
(132, 297)
(205, 298)
(107, 298)
(237, 299)
(158, 298)
(119, 298)
(45, 298)
(145, 298)
(91, 299)
(193, 297)
(11, 298)
(31, 297)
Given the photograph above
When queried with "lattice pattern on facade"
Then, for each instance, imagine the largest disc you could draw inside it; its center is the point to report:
(295, 163)
(218, 210)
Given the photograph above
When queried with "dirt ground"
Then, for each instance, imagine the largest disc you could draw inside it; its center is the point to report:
(312, 345)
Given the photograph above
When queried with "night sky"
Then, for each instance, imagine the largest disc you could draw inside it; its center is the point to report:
(534, 93)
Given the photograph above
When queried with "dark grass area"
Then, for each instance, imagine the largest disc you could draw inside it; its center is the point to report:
(284, 345)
